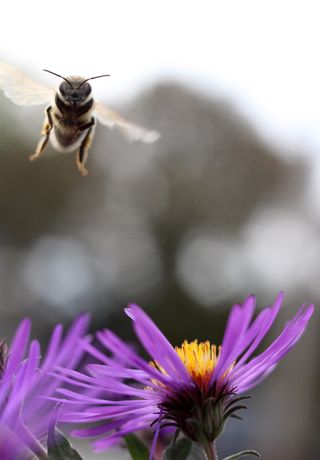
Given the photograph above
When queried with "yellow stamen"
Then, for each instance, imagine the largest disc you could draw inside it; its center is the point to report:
(200, 360)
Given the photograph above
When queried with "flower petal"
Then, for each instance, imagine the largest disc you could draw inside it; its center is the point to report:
(157, 345)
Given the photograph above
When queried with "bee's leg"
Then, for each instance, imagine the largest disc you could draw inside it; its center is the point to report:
(47, 126)
(82, 153)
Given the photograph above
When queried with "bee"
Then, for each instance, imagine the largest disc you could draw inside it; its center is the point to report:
(70, 117)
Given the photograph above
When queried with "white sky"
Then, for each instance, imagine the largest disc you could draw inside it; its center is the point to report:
(264, 54)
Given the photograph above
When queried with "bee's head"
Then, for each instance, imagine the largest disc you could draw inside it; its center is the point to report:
(75, 90)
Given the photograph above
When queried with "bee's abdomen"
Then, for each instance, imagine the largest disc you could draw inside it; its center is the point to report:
(67, 137)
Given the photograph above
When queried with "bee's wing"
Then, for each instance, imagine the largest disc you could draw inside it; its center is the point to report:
(131, 131)
(21, 89)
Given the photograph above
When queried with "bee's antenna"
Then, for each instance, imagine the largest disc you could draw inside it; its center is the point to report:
(92, 78)
(57, 75)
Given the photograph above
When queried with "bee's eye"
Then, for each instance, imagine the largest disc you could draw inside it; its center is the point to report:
(87, 89)
(64, 88)
(62, 91)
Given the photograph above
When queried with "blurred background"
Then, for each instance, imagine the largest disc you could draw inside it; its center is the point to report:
(225, 204)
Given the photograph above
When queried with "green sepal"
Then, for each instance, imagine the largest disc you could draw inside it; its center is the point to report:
(197, 429)
(180, 450)
(137, 448)
(59, 448)
(241, 454)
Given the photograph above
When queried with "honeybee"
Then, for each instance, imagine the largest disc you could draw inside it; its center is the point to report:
(70, 118)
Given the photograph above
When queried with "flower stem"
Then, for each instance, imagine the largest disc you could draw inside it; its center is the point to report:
(210, 451)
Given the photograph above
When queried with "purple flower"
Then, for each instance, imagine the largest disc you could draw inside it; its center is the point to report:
(193, 388)
(25, 381)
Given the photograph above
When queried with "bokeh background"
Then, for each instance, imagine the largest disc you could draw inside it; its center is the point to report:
(226, 204)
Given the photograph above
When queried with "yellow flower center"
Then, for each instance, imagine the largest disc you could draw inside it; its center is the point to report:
(200, 360)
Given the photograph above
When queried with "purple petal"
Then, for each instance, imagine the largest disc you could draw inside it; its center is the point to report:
(249, 374)
(18, 346)
(120, 349)
(258, 330)
(53, 348)
(157, 345)
(237, 324)
(155, 439)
